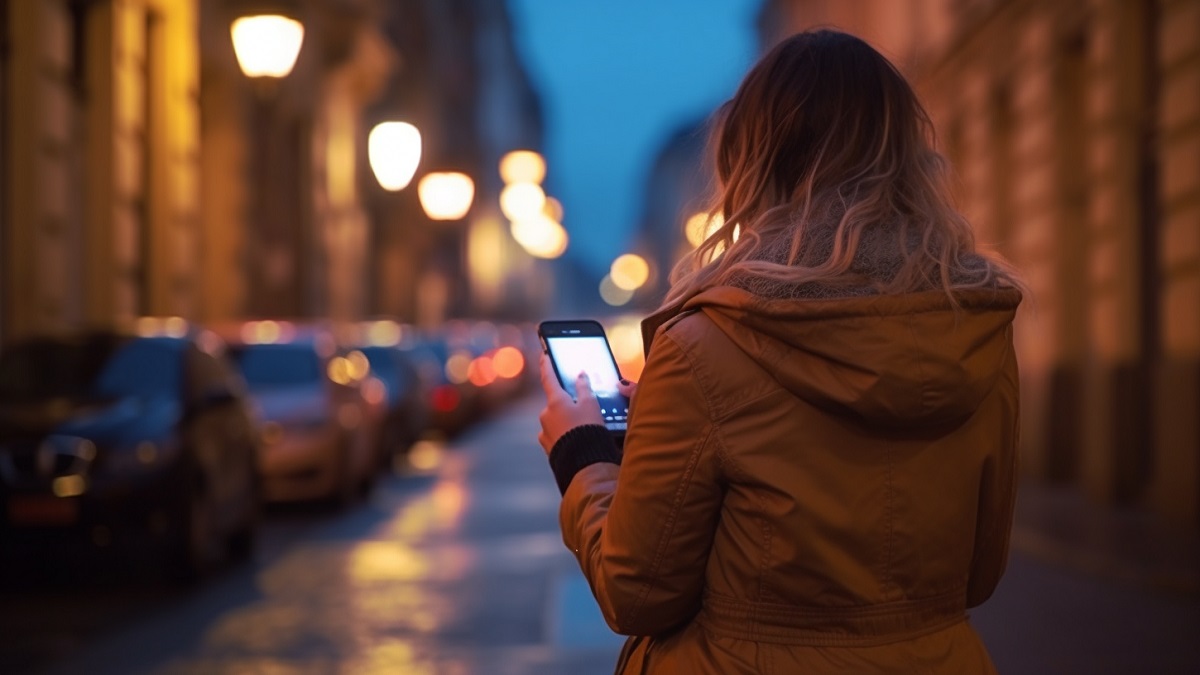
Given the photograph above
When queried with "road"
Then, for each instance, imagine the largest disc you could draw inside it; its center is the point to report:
(458, 568)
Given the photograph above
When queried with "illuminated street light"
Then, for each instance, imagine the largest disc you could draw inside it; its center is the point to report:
(522, 166)
(394, 150)
(551, 246)
(540, 236)
(613, 294)
(447, 195)
(554, 209)
(522, 201)
(701, 226)
(629, 272)
(266, 45)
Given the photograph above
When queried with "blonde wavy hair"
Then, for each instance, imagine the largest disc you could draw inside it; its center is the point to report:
(824, 131)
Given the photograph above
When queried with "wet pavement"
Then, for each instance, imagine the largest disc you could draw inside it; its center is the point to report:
(458, 568)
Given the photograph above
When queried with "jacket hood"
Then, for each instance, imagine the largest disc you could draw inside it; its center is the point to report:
(909, 360)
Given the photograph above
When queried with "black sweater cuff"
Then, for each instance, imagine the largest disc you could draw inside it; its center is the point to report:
(582, 446)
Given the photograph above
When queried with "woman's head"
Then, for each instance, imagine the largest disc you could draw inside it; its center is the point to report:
(825, 131)
(820, 110)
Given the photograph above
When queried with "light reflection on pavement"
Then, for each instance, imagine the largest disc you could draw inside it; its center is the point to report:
(459, 569)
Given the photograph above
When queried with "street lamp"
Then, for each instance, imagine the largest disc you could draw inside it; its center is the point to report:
(394, 150)
(266, 41)
(522, 201)
(540, 236)
(629, 272)
(522, 166)
(266, 45)
(446, 195)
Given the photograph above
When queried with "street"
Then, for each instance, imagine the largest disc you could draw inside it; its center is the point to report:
(458, 568)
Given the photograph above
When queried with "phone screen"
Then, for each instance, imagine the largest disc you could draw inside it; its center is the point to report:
(590, 354)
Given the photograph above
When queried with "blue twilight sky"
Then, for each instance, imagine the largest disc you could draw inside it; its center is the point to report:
(616, 78)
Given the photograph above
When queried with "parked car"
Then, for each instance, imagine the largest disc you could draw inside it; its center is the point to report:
(444, 365)
(321, 409)
(389, 348)
(112, 440)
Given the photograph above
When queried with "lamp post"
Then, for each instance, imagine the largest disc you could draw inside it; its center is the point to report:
(266, 41)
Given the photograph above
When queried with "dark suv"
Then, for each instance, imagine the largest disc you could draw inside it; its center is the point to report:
(109, 439)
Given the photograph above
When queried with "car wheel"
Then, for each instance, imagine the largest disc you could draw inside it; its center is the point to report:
(194, 547)
(240, 543)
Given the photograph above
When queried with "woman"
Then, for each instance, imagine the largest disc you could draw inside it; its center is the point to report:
(819, 470)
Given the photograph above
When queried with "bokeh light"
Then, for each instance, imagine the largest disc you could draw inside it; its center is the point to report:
(701, 226)
(394, 151)
(522, 166)
(458, 367)
(266, 45)
(540, 236)
(522, 201)
(629, 272)
(446, 195)
(508, 362)
(553, 209)
(613, 294)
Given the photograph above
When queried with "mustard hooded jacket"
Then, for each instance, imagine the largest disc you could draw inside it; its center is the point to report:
(818, 486)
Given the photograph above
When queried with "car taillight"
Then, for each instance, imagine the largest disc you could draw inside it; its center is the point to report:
(508, 362)
(482, 371)
(445, 398)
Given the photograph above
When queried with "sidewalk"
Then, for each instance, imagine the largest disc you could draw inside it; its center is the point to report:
(1061, 526)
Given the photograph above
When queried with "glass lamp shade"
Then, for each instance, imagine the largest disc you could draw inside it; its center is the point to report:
(266, 45)
(394, 150)
(446, 195)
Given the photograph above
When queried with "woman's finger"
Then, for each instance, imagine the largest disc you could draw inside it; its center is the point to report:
(583, 389)
(626, 388)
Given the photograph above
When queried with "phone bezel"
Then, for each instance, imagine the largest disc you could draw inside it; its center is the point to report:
(579, 328)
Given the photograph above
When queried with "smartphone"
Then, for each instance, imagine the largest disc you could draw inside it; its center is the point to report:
(581, 346)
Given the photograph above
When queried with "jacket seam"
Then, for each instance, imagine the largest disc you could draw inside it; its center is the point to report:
(763, 522)
(669, 526)
(701, 385)
(685, 483)
(701, 378)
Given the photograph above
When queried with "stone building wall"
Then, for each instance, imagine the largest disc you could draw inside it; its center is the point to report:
(101, 193)
(1074, 130)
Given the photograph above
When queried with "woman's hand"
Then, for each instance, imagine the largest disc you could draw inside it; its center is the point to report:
(561, 413)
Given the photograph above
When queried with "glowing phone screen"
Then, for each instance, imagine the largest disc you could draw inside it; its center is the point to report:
(574, 355)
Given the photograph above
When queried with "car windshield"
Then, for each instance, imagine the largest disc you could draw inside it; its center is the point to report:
(269, 366)
(98, 367)
(380, 358)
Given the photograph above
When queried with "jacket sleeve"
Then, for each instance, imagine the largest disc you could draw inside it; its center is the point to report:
(997, 498)
(642, 530)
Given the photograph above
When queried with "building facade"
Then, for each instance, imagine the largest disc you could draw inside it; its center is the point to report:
(142, 173)
(99, 207)
(1074, 128)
